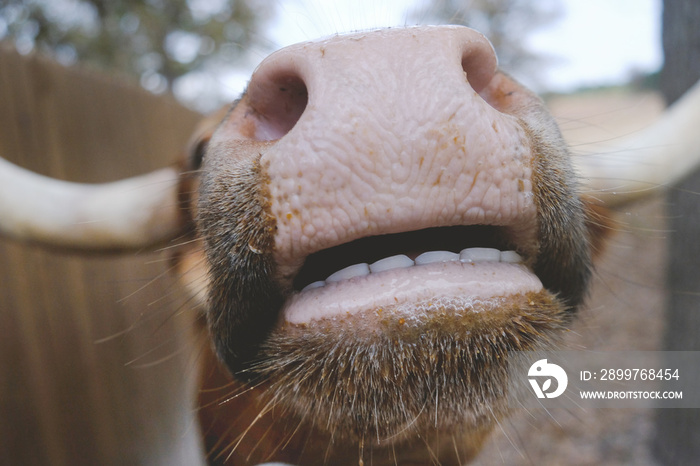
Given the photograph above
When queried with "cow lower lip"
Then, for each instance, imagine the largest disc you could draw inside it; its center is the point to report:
(412, 290)
(432, 347)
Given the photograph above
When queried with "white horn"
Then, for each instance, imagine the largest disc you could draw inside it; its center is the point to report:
(656, 157)
(128, 214)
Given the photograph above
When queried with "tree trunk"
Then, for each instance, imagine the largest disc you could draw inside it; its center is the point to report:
(678, 430)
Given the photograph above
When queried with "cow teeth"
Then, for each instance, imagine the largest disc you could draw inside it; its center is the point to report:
(511, 257)
(470, 255)
(480, 255)
(314, 285)
(389, 263)
(432, 257)
(357, 270)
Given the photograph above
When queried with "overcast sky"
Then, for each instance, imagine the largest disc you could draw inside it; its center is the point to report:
(594, 42)
(600, 41)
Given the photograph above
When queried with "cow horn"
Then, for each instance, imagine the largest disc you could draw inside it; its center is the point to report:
(129, 214)
(656, 157)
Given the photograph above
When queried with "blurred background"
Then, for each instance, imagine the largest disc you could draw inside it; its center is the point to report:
(203, 51)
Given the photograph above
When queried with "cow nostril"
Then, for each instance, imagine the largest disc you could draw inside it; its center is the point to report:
(479, 64)
(279, 103)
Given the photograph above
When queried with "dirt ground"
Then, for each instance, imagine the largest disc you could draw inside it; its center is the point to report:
(624, 311)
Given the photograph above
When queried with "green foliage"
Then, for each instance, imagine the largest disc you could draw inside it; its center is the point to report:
(156, 40)
(159, 41)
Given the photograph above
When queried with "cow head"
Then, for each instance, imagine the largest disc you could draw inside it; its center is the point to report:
(383, 217)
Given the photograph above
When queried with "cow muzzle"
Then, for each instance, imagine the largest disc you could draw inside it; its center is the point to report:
(388, 210)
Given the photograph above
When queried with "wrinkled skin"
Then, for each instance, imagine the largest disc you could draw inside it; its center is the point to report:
(349, 150)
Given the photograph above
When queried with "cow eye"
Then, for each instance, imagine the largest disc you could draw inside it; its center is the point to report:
(197, 154)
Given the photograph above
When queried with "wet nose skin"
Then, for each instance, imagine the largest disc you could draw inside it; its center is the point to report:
(383, 132)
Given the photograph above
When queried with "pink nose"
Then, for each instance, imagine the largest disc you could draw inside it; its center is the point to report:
(341, 72)
(383, 132)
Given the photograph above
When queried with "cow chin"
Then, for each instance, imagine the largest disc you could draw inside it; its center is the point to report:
(384, 375)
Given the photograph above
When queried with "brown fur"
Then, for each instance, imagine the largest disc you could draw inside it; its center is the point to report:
(237, 230)
(240, 427)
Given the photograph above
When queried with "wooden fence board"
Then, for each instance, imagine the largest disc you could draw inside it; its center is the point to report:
(70, 394)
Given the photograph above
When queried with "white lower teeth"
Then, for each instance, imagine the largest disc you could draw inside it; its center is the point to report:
(357, 270)
(432, 257)
(480, 255)
(313, 285)
(511, 257)
(390, 263)
(470, 255)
